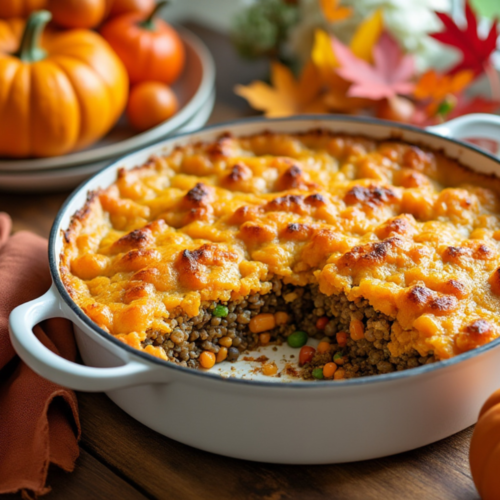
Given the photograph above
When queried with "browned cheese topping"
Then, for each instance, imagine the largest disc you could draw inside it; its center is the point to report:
(407, 229)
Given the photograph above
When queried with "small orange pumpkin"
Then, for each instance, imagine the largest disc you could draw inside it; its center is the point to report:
(77, 13)
(484, 454)
(149, 104)
(60, 97)
(119, 7)
(11, 32)
(150, 49)
(19, 8)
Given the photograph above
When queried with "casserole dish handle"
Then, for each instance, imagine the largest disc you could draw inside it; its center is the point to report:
(58, 369)
(480, 129)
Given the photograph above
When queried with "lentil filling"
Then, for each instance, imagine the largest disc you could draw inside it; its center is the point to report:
(293, 308)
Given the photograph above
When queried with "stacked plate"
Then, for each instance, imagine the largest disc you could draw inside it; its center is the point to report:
(195, 90)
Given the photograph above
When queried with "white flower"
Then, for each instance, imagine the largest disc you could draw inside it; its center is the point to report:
(408, 20)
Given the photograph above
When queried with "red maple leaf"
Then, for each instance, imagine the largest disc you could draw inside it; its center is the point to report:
(389, 75)
(475, 51)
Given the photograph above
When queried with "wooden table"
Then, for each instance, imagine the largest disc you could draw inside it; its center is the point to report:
(122, 459)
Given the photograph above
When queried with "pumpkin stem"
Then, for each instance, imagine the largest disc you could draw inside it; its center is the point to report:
(149, 22)
(29, 49)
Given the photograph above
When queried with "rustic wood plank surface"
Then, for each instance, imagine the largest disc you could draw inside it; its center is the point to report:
(123, 459)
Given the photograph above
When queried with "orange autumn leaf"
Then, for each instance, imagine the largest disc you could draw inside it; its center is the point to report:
(432, 85)
(286, 95)
(336, 98)
(333, 12)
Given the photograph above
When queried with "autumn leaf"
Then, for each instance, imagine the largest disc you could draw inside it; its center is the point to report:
(440, 92)
(433, 85)
(333, 12)
(475, 51)
(389, 75)
(323, 56)
(336, 96)
(367, 35)
(286, 96)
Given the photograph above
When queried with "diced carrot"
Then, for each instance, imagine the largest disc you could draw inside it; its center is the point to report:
(341, 338)
(306, 354)
(262, 323)
(269, 369)
(226, 341)
(264, 338)
(222, 354)
(322, 322)
(324, 347)
(357, 329)
(281, 317)
(329, 370)
(207, 359)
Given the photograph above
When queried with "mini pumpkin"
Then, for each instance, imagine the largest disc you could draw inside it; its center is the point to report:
(484, 454)
(119, 7)
(58, 97)
(78, 13)
(149, 104)
(19, 8)
(150, 48)
(11, 32)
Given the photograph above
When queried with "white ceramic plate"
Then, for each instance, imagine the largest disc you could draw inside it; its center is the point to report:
(193, 88)
(67, 178)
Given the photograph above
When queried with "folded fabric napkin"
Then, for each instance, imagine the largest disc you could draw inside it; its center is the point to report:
(39, 421)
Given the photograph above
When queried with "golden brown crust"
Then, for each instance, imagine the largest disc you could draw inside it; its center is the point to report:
(413, 232)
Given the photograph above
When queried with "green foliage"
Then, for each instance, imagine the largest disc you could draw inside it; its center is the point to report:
(262, 28)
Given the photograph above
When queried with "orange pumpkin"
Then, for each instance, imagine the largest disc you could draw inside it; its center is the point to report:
(19, 8)
(484, 454)
(78, 13)
(11, 32)
(150, 49)
(61, 97)
(119, 7)
(149, 104)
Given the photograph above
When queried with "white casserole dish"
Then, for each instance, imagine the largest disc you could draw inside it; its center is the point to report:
(343, 421)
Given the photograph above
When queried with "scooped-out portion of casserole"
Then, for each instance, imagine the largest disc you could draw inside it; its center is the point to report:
(386, 252)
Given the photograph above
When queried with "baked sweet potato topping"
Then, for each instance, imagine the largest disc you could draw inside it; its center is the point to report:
(179, 256)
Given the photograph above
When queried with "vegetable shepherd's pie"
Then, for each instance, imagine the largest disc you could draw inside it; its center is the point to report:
(386, 252)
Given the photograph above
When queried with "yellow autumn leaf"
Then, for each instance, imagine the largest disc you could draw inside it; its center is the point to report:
(367, 35)
(322, 53)
(333, 12)
(286, 95)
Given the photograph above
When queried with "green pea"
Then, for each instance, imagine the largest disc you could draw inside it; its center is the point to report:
(338, 355)
(220, 311)
(317, 373)
(297, 339)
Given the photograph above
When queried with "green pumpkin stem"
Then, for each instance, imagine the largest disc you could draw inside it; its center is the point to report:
(29, 48)
(149, 22)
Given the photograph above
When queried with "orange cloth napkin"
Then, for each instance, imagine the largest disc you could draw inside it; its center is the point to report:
(39, 421)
